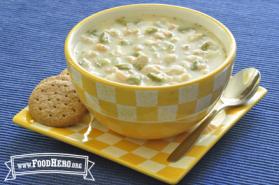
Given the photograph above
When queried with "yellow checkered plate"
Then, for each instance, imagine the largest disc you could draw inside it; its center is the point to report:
(148, 157)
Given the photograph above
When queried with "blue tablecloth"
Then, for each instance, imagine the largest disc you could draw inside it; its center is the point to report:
(32, 35)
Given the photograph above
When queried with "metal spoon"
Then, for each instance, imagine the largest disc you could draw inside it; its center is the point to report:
(239, 90)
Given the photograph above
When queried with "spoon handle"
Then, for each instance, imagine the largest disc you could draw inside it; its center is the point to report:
(192, 137)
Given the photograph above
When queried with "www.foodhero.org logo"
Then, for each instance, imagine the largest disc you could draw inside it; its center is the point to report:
(49, 163)
(53, 162)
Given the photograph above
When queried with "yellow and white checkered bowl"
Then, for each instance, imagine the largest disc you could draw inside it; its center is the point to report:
(150, 112)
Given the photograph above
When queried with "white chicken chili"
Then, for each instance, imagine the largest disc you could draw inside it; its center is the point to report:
(149, 51)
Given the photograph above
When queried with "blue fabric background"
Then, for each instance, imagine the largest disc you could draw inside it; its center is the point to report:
(32, 36)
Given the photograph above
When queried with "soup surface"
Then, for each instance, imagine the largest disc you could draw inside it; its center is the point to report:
(149, 51)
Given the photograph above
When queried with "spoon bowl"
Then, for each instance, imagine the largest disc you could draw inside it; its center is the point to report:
(241, 87)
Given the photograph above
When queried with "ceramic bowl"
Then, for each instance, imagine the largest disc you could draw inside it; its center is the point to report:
(150, 112)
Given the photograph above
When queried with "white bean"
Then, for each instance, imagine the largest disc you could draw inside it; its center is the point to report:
(192, 58)
(110, 69)
(170, 58)
(186, 47)
(186, 64)
(88, 39)
(200, 52)
(168, 33)
(169, 46)
(205, 71)
(85, 63)
(131, 31)
(195, 37)
(213, 53)
(174, 39)
(131, 58)
(159, 35)
(172, 26)
(121, 75)
(92, 54)
(139, 47)
(184, 77)
(151, 69)
(149, 42)
(175, 70)
(114, 33)
(143, 59)
(101, 47)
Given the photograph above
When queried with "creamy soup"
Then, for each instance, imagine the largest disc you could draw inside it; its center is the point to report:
(149, 51)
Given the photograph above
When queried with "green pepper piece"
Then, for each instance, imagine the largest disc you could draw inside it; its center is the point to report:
(104, 37)
(102, 62)
(134, 80)
(151, 30)
(183, 29)
(92, 32)
(137, 21)
(84, 63)
(124, 42)
(121, 21)
(205, 46)
(123, 66)
(194, 65)
(138, 53)
(155, 77)
(138, 66)
(170, 47)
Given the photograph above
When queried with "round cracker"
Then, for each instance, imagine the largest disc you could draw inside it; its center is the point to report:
(65, 72)
(57, 77)
(55, 103)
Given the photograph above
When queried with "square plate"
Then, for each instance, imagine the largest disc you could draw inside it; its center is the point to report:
(148, 157)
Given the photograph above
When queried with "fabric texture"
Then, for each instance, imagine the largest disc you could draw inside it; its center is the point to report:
(32, 35)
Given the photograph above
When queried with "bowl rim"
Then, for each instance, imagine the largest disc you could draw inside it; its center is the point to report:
(229, 59)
